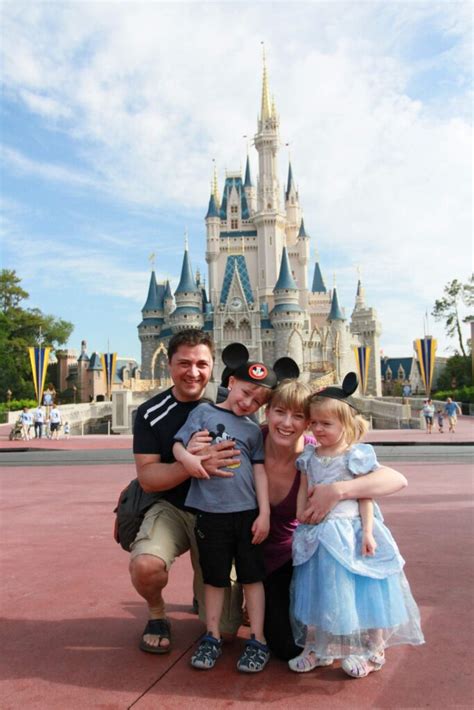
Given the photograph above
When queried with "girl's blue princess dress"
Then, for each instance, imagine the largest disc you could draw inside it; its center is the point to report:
(348, 598)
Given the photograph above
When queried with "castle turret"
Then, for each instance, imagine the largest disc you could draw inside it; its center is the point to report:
(188, 297)
(269, 219)
(335, 314)
(213, 222)
(292, 207)
(168, 301)
(152, 321)
(96, 384)
(366, 326)
(287, 316)
(249, 189)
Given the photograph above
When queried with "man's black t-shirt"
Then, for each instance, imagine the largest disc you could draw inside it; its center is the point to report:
(157, 421)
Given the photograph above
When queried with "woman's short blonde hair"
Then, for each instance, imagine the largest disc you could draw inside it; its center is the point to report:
(291, 394)
(354, 424)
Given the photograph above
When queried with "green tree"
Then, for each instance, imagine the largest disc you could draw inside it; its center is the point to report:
(19, 329)
(447, 308)
(457, 373)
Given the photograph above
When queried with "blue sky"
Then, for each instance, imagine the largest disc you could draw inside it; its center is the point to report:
(112, 113)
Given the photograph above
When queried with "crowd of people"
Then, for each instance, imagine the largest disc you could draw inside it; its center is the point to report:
(42, 422)
(283, 513)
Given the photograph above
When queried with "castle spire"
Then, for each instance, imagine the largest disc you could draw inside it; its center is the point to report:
(266, 108)
(215, 188)
(248, 177)
(152, 301)
(291, 183)
(187, 282)
(318, 281)
(285, 279)
(335, 312)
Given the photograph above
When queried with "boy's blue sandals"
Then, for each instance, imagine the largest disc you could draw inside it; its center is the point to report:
(255, 656)
(207, 652)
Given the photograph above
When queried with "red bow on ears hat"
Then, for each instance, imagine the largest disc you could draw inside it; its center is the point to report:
(236, 359)
(349, 386)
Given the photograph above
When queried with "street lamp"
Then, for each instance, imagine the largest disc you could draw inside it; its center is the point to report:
(9, 397)
(74, 392)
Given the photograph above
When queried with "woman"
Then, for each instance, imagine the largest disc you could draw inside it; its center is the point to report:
(285, 437)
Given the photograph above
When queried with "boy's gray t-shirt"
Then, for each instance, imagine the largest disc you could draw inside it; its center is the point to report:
(224, 495)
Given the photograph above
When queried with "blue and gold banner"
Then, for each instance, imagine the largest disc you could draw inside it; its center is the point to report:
(39, 359)
(109, 365)
(425, 349)
(362, 357)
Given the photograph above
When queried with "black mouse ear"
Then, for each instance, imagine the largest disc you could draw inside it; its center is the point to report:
(234, 355)
(286, 368)
(350, 383)
(226, 373)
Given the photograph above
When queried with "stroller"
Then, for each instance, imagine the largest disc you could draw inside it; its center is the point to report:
(15, 432)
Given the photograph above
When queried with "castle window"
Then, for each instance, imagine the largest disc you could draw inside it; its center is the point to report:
(234, 223)
(234, 209)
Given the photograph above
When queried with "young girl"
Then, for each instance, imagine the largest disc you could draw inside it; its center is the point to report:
(350, 598)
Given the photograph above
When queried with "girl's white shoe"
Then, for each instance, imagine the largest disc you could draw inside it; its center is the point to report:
(307, 661)
(360, 667)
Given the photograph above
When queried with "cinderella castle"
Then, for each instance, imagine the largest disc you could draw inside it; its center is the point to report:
(261, 290)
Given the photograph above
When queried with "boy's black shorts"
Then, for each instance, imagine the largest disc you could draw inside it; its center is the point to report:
(223, 538)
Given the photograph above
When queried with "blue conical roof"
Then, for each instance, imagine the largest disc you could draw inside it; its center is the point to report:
(212, 210)
(285, 279)
(186, 282)
(302, 232)
(153, 299)
(95, 363)
(291, 182)
(168, 293)
(248, 178)
(318, 281)
(335, 312)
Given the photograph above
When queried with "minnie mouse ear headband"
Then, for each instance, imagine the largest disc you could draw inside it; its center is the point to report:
(349, 386)
(236, 359)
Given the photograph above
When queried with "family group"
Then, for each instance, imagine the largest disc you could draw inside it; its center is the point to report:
(283, 513)
(45, 421)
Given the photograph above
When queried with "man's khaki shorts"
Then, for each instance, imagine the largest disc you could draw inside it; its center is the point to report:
(167, 532)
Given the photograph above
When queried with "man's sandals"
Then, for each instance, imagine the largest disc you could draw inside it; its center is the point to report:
(156, 627)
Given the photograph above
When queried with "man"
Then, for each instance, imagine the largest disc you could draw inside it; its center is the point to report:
(54, 421)
(452, 410)
(167, 530)
(39, 421)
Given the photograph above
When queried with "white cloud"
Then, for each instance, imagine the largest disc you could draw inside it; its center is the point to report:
(151, 92)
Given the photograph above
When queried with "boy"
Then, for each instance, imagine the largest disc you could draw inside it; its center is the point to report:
(233, 514)
(440, 419)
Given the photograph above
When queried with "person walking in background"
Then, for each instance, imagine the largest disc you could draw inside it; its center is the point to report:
(54, 421)
(67, 430)
(26, 422)
(452, 410)
(440, 420)
(428, 413)
(39, 421)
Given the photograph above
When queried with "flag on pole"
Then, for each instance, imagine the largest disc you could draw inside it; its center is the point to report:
(425, 349)
(109, 364)
(39, 359)
(362, 357)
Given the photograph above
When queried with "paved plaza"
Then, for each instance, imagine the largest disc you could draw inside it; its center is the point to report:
(71, 620)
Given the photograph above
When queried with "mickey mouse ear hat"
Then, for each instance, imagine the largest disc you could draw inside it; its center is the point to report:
(349, 386)
(236, 358)
(286, 369)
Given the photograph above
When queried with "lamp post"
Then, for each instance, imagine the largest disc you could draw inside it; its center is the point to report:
(74, 393)
(9, 397)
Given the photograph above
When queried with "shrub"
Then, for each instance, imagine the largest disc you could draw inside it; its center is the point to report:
(462, 394)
